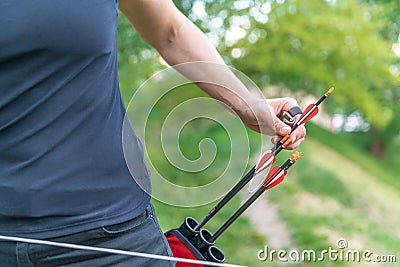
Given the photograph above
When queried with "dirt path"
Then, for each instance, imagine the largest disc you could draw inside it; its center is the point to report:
(264, 216)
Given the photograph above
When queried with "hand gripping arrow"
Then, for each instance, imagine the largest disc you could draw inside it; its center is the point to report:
(274, 177)
(267, 159)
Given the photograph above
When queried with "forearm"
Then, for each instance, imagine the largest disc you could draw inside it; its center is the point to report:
(179, 41)
(189, 44)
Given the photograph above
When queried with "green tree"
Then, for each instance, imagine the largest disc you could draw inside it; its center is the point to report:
(311, 45)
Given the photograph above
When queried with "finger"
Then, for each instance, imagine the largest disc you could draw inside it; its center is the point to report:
(290, 103)
(281, 128)
(296, 144)
(295, 136)
(280, 104)
(299, 133)
(273, 140)
(276, 139)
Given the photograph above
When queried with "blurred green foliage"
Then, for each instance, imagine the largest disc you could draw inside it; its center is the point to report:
(311, 45)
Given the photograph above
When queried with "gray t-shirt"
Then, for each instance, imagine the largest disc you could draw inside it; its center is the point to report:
(62, 168)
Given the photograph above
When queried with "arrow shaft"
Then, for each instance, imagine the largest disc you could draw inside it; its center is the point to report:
(303, 118)
(227, 197)
(278, 148)
(237, 214)
(321, 99)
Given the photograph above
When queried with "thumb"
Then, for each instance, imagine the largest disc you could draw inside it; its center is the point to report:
(281, 128)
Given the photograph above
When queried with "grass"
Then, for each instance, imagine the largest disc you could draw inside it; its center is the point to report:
(339, 191)
(351, 145)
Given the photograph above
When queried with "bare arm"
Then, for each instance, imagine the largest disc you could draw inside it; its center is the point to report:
(178, 41)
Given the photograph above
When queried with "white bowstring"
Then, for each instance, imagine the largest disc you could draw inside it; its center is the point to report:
(114, 251)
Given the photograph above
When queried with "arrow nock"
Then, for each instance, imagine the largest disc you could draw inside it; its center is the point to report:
(287, 142)
(329, 91)
(295, 156)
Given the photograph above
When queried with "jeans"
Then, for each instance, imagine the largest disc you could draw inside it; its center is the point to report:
(141, 234)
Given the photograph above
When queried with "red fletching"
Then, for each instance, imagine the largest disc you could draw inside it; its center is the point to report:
(277, 181)
(265, 161)
(271, 175)
(308, 114)
(276, 175)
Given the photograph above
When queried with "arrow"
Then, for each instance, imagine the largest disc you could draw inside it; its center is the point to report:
(277, 176)
(266, 160)
(312, 109)
(274, 177)
(308, 114)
